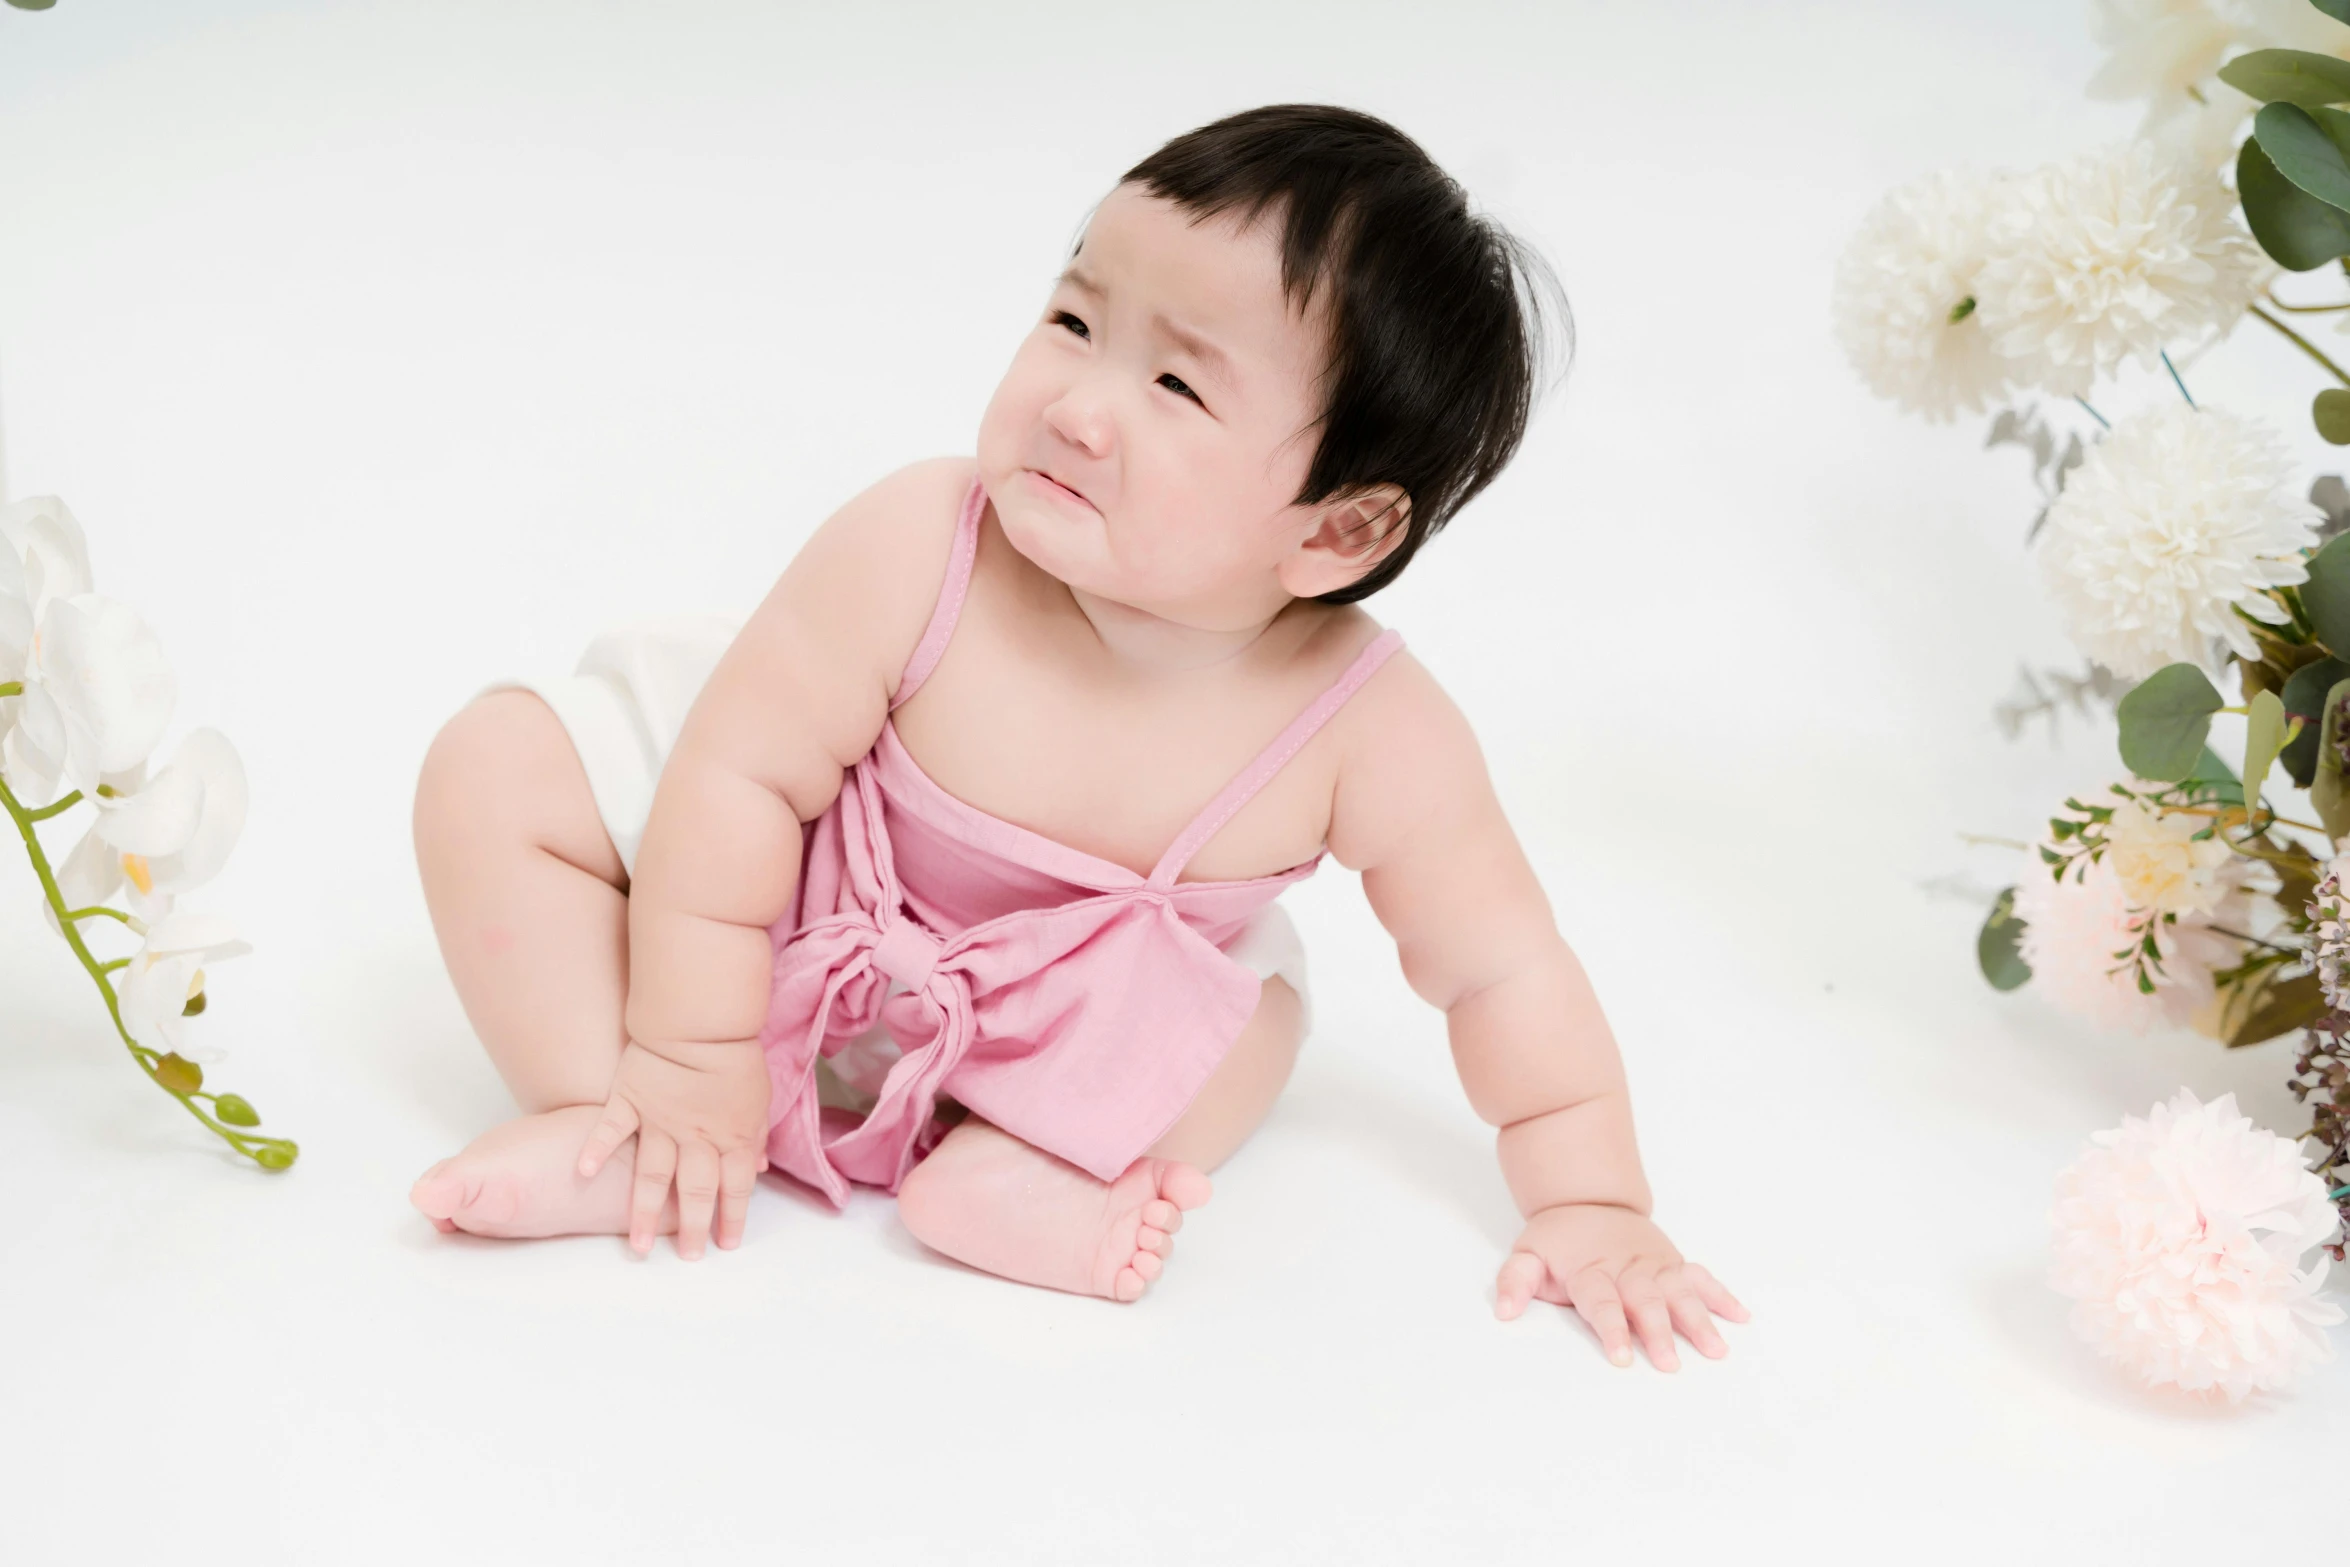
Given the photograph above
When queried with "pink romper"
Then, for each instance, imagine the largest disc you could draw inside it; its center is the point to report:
(1076, 1005)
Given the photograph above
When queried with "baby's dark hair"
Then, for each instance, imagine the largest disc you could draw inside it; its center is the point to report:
(1435, 313)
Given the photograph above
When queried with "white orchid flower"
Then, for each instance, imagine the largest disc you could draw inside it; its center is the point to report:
(43, 556)
(167, 973)
(97, 695)
(161, 836)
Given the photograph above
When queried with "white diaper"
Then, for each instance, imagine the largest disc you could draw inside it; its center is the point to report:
(623, 707)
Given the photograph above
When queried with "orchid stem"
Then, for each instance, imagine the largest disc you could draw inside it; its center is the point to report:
(2302, 343)
(150, 1061)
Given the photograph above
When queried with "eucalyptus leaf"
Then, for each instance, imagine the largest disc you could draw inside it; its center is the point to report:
(2339, 10)
(2211, 780)
(2305, 151)
(2297, 230)
(2325, 597)
(2289, 76)
(1995, 946)
(2165, 720)
(2326, 791)
(2264, 737)
(2305, 698)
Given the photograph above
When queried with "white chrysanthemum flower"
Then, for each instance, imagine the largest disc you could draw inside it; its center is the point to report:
(2179, 1239)
(2157, 48)
(1907, 271)
(2078, 935)
(2175, 520)
(2160, 863)
(2110, 256)
(2329, 935)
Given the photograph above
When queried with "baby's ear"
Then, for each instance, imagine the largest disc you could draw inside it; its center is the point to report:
(1351, 534)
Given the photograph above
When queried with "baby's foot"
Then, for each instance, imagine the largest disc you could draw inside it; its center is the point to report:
(991, 1200)
(522, 1179)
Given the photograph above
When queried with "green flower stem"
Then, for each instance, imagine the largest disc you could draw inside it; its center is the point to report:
(55, 808)
(2302, 343)
(279, 1150)
(2306, 310)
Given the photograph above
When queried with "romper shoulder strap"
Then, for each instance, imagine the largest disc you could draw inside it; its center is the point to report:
(950, 598)
(1274, 757)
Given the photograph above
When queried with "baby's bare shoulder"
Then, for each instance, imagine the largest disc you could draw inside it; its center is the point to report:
(828, 642)
(1406, 756)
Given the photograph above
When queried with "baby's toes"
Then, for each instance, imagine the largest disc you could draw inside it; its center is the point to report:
(1154, 1240)
(1161, 1214)
(1147, 1264)
(1129, 1284)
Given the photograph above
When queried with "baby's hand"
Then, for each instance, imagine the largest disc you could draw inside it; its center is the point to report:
(699, 1112)
(1603, 1260)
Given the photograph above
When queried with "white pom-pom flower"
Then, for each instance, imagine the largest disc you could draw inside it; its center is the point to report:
(2179, 1239)
(2176, 519)
(2110, 256)
(2157, 48)
(2079, 931)
(1904, 296)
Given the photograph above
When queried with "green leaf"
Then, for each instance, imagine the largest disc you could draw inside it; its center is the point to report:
(233, 1111)
(1995, 947)
(2264, 737)
(2326, 791)
(32, 5)
(2304, 697)
(2325, 597)
(2331, 412)
(2211, 780)
(2339, 10)
(2304, 151)
(179, 1074)
(2165, 719)
(2289, 76)
(2296, 229)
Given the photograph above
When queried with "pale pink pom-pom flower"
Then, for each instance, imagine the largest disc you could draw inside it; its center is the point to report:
(2179, 1239)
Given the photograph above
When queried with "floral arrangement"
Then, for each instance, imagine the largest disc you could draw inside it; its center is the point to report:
(84, 697)
(2181, 557)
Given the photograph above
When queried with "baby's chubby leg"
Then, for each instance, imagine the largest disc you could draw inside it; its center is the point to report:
(530, 904)
(986, 1198)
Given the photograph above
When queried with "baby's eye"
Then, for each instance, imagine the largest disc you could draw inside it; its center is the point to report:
(1063, 318)
(1174, 384)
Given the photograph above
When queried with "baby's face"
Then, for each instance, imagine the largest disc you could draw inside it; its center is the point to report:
(1169, 385)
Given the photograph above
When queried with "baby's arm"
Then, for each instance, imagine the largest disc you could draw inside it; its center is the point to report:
(1416, 813)
(796, 699)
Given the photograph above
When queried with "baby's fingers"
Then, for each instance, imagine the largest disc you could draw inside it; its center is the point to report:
(697, 1195)
(1521, 1276)
(1596, 1298)
(1709, 1289)
(738, 1175)
(617, 1123)
(656, 1162)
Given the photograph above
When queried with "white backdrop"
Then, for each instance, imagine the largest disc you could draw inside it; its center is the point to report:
(383, 348)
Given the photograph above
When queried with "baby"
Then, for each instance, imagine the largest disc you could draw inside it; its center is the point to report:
(950, 871)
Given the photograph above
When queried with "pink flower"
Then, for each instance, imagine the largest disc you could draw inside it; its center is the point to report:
(2073, 928)
(2179, 1239)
